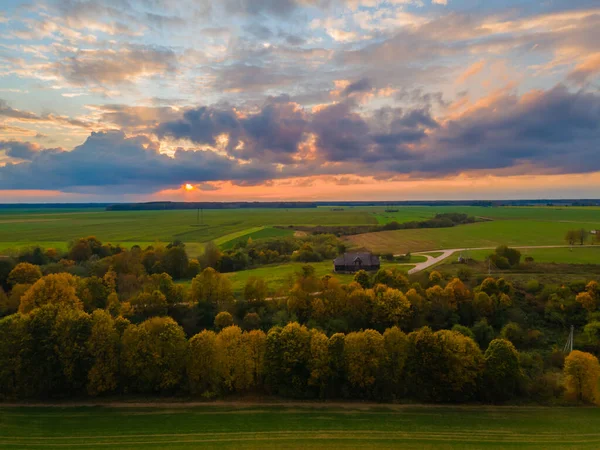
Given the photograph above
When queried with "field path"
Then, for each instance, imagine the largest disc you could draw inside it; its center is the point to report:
(431, 261)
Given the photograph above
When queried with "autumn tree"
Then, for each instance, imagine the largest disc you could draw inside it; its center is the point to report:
(320, 374)
(442, 366)
(251, 321)
(54, 289)
(363, 278)
(24, 273)
(287, 360)
(211, 287)
(103, 347)
(582, 372)
(395, 345)
(233, 365)
(391, 307)
(93, 293)
(153, 355)
(148, 305)
(587, 300)
(223, 320)
(7, 305)
(255, 290)
(502, 372)
(13, 339)
(201, 366)
(364, 354)
(255, 344)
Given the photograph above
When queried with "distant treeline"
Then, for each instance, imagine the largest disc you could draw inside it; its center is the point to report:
(445, 220)
(229, 205)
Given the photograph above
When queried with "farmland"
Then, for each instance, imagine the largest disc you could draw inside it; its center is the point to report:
(505, 225)
(299, 425)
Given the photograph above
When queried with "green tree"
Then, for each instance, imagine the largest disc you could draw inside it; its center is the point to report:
(502, 372)
(149, 304)
(24, 273)
(93, 293)
(255, 290)
(363, 278)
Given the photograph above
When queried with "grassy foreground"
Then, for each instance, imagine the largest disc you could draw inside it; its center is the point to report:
(320, 426)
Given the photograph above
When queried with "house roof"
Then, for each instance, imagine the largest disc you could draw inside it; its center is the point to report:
(348, 259)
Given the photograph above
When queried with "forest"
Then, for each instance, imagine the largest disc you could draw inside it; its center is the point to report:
(104, 320)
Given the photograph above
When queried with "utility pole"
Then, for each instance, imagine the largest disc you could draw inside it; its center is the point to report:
(569, 345)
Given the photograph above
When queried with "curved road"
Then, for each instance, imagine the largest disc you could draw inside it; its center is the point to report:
(446, 253)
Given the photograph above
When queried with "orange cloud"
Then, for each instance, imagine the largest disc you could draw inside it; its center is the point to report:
(471, 71)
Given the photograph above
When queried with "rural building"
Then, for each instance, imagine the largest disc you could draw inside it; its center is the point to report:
(353, 262)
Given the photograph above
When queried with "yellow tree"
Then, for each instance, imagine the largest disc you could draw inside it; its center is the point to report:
(154, 354)
(202, 364)
(255, 344)
(53, 289)
(587, 300)
(103, 347)
(582, 373)
(211, 287)
(395, 345)
(363, 353)
(233, 365)
(223, 320)
(24, 273)
(320, 372)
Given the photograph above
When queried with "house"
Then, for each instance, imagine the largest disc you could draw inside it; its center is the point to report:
(353, 262)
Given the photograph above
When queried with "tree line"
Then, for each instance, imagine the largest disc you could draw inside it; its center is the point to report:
(60, 351)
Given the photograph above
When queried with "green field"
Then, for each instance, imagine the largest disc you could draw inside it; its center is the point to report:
(482, 234)
(44, 227)
(279, 276)
(509, 225)
(576, 255)
(298, 426)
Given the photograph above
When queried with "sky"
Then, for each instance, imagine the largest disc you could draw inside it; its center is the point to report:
(227, 100)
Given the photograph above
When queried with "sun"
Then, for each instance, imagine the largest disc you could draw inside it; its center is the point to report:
(188, 187)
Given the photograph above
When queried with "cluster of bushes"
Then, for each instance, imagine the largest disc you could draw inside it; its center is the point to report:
(58, 350)
(505, 257)
(247, 254)
(444, 220)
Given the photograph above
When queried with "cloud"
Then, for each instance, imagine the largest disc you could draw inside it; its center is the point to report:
(471, 71)
(26, 116)
(588, 69)
(110, 67)
(19, 150)
(111, 161)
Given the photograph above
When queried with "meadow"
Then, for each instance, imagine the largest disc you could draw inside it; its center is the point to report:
(298, 426)
(280, 276)
(508, 225)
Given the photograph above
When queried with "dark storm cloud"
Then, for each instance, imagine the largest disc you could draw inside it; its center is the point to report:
(19, 150)
(555, 131)
(110, 160)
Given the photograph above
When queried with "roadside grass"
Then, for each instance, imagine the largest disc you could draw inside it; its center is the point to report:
(299, 426)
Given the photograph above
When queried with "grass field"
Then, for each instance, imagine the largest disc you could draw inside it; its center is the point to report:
(299, 426)
(44, 227)
(510, 225)
(482, 234)
(576, 255)
(279, 276)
